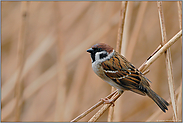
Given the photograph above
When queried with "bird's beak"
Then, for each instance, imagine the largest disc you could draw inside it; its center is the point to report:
(90, 50)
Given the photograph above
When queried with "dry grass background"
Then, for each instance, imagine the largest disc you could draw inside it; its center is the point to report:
(46, 71)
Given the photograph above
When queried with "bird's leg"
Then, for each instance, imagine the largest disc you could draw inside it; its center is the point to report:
(111, 101)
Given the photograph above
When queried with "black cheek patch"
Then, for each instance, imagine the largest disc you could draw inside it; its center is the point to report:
(93, 57)
(103, 55)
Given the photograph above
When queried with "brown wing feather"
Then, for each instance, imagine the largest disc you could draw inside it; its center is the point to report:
(125, 74)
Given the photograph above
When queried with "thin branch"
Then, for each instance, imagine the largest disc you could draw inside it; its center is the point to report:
(145, 72)
(121, 26)
(103, 109)
(179, 3)
(145, 65)
(168, 59)
(162, 22)
(154, 52)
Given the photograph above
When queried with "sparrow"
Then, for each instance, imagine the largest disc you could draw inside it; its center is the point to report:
(116, 70)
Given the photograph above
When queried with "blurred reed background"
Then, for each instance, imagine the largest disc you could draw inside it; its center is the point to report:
(47, 73)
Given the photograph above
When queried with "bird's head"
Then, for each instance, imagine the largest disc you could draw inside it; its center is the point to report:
(100, 51)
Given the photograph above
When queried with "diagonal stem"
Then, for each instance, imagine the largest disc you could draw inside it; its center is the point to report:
(146, 64)
(104, 108)
(92, 108)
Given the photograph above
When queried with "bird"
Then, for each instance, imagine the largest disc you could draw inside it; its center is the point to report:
(117, 71)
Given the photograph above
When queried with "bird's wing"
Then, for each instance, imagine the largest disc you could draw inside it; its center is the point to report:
(125, 74)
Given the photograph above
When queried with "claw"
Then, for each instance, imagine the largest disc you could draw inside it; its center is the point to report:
(108, 101)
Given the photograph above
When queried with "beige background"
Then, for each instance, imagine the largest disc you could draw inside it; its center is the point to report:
(57, 81)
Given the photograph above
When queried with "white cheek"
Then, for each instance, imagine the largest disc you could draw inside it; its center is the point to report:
(97, 56)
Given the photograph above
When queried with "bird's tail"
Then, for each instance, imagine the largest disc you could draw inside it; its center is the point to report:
(158, 100)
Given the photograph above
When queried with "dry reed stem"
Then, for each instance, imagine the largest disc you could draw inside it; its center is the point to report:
(21, 52)
(92, 108)
(121, 26)
(136, 30)
(99, 113)
(118, 46)
(61, 70)
(145, 72)
(154, 52)
(128, 19)
(179, 3)
(104, 108)
(156, 114)
(144, 66)
(168, 59)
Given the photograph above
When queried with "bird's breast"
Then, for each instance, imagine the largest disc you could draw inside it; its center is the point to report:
(97, 68)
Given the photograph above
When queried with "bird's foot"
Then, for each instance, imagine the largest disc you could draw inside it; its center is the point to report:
(108, 101)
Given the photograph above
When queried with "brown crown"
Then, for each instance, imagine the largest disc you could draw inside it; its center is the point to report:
(103, 46)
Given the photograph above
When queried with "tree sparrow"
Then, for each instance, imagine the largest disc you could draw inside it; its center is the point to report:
(121, 74)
